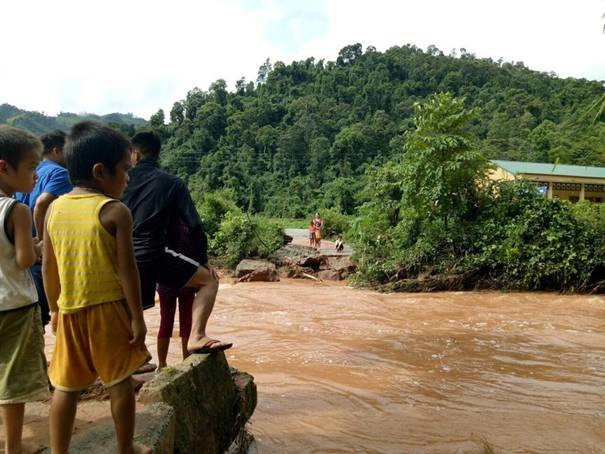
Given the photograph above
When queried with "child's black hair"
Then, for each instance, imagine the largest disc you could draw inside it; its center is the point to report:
(90, 143)
(148, 143)
(53, 139)
(14, 143)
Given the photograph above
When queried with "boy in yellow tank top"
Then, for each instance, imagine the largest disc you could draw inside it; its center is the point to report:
(92, 285)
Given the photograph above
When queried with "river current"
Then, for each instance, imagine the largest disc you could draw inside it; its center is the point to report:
(346, 370)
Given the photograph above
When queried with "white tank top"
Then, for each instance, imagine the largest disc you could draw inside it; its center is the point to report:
(17, 287)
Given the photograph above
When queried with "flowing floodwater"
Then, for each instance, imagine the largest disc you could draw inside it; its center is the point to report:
(344, 370)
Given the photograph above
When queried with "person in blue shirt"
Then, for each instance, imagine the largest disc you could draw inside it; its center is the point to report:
(52, 181)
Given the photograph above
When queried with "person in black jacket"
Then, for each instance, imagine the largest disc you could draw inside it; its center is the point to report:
(156, 200)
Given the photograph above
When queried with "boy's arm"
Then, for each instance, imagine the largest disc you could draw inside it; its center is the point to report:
(20, 225)
(50, 275)
(57, 185)
(42, 203)
(116, 218)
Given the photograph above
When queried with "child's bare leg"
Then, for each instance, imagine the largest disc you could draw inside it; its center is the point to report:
(184, 342)
(123, 413)
(62, 414)
(12, 415)
(163, 345)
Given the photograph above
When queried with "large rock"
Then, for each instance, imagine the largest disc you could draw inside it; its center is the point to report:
(248, 266)
(246, 393)
(297, 255)
(330, 275)
(210, 408)
(265, 275)
(246, 402)
(342, 263)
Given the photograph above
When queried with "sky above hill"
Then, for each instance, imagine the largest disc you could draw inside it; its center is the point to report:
(137, 56)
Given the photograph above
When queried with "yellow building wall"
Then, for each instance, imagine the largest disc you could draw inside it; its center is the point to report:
(567, 195)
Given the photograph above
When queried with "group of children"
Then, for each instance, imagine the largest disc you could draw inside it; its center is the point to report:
(315, 230)
(101, 259)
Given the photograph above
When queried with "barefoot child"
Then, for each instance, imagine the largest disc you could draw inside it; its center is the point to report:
(312, 234)
(92, 285)
(22, 362)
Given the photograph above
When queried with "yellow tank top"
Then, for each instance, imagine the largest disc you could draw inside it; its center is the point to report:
(86, 252)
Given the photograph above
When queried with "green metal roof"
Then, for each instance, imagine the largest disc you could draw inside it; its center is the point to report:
(543, 168)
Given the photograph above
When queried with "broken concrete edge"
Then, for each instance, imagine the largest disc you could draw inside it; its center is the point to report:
(247, 396)
(214, 400)
(156, 428)
(297, 261)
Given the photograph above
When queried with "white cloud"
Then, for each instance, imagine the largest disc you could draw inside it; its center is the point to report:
(136, 56)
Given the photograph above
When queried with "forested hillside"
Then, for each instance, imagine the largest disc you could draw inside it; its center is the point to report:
(302, 136)
(39, 123)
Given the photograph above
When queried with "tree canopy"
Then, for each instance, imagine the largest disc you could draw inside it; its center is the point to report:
(303, 135)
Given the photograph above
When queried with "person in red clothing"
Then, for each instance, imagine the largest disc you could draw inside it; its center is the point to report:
(180, 240)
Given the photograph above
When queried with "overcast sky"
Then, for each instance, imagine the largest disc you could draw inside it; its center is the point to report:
(137, 56)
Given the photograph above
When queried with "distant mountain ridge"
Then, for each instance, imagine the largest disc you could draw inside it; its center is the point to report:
(38, 123)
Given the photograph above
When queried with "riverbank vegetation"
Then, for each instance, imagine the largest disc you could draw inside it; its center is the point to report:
(393, 148)
(433, 220)
(234, 234)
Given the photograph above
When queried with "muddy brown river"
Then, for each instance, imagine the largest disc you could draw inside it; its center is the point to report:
(345, 370)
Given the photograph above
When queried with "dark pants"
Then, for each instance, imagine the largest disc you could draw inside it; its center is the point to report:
(36, 271)
(168, 298)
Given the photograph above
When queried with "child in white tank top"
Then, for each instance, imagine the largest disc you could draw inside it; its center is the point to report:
(22, 362)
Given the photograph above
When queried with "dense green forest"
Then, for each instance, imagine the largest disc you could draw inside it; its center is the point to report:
(304, 136)
(39, 123)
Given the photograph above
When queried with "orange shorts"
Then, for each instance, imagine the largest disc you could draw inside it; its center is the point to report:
(94, 342)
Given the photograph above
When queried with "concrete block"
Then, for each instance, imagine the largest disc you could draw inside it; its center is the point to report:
(204, 398)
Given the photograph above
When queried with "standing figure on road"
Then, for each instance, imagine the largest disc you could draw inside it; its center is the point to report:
(318, 223)
(311, 234)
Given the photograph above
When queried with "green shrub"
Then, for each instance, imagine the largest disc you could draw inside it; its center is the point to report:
(213, 207)
(545, 247)
(527, 241)
(233, 239)
(335, 223)
(241, 236)
(269, 236)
